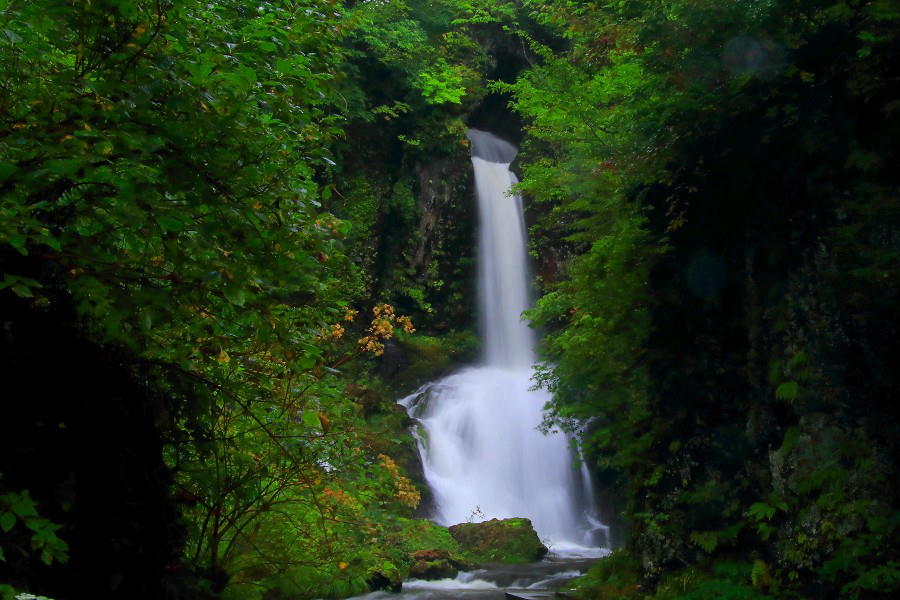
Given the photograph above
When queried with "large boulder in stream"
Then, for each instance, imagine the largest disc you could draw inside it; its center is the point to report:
(499, 540)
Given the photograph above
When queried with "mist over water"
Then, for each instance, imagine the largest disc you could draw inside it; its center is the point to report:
(481, 450)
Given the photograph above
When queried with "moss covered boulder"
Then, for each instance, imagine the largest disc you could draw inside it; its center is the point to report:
(499, 540)
(437, 564)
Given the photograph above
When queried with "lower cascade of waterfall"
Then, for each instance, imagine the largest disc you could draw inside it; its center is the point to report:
(484, 458)
(483, 454)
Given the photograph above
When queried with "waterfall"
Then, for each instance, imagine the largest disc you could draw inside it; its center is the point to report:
(482, 452)
(502, 256)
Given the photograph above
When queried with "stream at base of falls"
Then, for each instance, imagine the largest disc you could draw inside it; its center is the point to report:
(492, 582)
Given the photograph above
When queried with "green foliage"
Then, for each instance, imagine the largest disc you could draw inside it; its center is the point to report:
(613, 577)
(618, 576)
(867, 573)
(703, 314)
(429, 45)
(444, 84)
(163, 168)
(789, 390)
(708, 540)
(432, 356)
(152, 195)
(720, 579)
(420, 534)
(18, 513)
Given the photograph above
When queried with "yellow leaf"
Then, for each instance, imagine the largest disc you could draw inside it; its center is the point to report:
(223, 357)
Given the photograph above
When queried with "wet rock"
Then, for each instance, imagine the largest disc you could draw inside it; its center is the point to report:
(367, 398)
(433, 569)
(436, 554)
(437, 564)
(380, 581)
(393, 361)
(499, 540)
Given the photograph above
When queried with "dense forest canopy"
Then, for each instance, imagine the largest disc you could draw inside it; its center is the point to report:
(233, 233)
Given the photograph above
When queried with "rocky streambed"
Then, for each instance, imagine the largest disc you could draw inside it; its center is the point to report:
(490, 560)
(548, 578)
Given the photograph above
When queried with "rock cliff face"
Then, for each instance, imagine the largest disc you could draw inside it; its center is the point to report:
(442, 253)
(413, 223)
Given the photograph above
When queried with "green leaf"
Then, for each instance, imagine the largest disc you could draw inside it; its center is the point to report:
(18, 241)
(11, 36)
(759, 575)
(21, 286)
(39, 526)
(7, 521)
(761, 510)
(235, 294)
(22, 291)
(7, 592)
(67, 167)
(708, 540)
(765, 530)
(170, 224)
(244, 78)
(21, 504)
(789, 390)
(6, 170)
(52, 241)
(311, 419)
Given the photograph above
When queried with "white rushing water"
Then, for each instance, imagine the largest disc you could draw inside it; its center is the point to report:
(481, 450)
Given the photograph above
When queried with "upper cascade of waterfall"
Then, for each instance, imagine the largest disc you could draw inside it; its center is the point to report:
(503, 273)
(489, 147)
